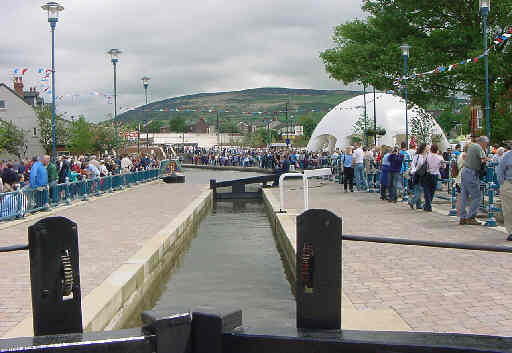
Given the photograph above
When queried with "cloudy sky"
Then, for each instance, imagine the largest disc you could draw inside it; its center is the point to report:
(186, 46)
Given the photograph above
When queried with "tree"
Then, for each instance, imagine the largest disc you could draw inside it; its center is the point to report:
(362, 124)
(440, 33)
(81, 140)
(154, 126)
(178, 124)
(12, 139)
(62, 128)
(309, 124)
(422, 126)
(103, 137)
(229, 127)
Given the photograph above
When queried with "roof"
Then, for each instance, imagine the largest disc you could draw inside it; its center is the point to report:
(15, 93)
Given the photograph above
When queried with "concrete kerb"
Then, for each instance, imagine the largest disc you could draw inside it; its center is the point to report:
(116, 299)
(284, 225)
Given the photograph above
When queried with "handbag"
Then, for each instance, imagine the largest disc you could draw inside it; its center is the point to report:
(483, 171)
(422, 170)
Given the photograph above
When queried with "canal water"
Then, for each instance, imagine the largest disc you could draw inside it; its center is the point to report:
(231, 262)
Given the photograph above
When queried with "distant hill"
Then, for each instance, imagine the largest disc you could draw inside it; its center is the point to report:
(258, 99)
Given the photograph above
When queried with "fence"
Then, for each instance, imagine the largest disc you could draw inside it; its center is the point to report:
(24, 201)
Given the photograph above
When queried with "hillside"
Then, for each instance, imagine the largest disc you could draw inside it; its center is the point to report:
(250, 100)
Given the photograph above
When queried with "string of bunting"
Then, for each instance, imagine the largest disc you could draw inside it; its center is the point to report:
(499, 40)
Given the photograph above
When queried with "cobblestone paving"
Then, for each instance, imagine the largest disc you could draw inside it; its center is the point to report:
(439, 290)
(111, 229)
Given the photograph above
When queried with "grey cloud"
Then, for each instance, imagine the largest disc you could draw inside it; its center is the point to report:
(185, 46)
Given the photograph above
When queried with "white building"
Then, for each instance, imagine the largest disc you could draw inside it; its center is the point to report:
(13, 108)
(336, 127)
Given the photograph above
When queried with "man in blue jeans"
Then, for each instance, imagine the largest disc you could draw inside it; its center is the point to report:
(359, 173)
(470, 187)
(395, 164)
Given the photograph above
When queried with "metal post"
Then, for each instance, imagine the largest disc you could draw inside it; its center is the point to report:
(287, 131)
(114, 62)
(491, 220)
(365, 125)
(138, 140)
(217, 127)
(406, 102)
(453, 210)
(375, 117)
(53, 24)
(485, 12)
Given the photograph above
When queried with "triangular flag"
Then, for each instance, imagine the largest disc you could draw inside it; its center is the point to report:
(23, 71)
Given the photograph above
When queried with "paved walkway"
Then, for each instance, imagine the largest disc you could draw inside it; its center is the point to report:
(111, 229)
(439, 290)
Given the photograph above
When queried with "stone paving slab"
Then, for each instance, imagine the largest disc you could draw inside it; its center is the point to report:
(111, 229)
(438, 290)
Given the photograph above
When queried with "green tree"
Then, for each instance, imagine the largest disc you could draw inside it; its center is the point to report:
(362, 124)
(81, 140)
(62, 128)
(440, 33)
(154, 126)
(178, 124)
(12, 139)
(422, 126)
(309, 124)
(103, 137)
(229, 127)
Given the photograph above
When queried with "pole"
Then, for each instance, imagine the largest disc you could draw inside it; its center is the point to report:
(54, 137)
(115, 105)
(485, 12)
(365, 125)
(374, 117)
(406, 103)
(138, 140)
(145, 117)
(217, 127)
(287, 130)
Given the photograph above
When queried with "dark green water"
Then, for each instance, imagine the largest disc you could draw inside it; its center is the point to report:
(230, 262)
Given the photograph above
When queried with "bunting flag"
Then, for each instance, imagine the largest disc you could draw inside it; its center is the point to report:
(499, 40)
(24, 71)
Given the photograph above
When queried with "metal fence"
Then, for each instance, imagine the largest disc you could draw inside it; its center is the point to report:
(24, 201)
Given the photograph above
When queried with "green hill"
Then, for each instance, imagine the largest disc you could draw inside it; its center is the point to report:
(250, 100)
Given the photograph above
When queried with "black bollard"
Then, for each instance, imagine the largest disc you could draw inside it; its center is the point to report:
(318, 270)
(55, 277)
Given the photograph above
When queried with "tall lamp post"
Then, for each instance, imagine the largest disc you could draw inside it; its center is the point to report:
(405, 53)
(485, 6)
(53, 10)
(114, 56)
(145, 83)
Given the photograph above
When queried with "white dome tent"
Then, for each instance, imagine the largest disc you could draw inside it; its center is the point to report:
(336, 127)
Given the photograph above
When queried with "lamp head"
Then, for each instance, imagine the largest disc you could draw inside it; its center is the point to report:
(53, 8)
(114, 54)
(145, 81)
(405, 49)
(485, 5)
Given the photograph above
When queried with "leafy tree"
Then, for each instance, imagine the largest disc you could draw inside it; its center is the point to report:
(62, 128)
(440, 33)
(153, 127)
(422, 125)
(12, 139)
(229, 127)
(178, 124)
(81, 140)
(362, 124)
(103, 137)
(309, 124)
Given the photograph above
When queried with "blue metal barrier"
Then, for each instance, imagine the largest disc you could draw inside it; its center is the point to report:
(17, 204)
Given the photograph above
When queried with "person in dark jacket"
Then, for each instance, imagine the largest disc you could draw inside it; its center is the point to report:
(284, 167)
(395, 165)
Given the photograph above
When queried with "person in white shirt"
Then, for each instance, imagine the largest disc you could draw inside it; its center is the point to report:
(416, 188)
(126, 164)
(434, 161)
(359, 174)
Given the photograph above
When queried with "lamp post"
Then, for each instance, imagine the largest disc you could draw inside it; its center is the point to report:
(145, 83)
(405, 53)
(375, 117)
(485, 6)
(53, 10)
(365, 119)
(114, 56)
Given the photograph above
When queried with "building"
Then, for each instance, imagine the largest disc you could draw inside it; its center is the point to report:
(201, 127)
(21, 112)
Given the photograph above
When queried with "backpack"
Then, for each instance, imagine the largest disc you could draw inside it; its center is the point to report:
(421, 171)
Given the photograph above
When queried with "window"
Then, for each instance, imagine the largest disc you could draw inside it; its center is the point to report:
(35, 132)
(3, 104)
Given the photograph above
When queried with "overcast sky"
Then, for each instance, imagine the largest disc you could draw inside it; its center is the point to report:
(186, 47)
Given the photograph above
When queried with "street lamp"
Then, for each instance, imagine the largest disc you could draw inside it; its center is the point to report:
(114, 56)
(53, 10)
(145, 82)
(485, 7)
(405, 53)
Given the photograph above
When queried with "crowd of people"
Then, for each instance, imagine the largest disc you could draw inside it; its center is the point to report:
(40, 172)
(420, 167)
